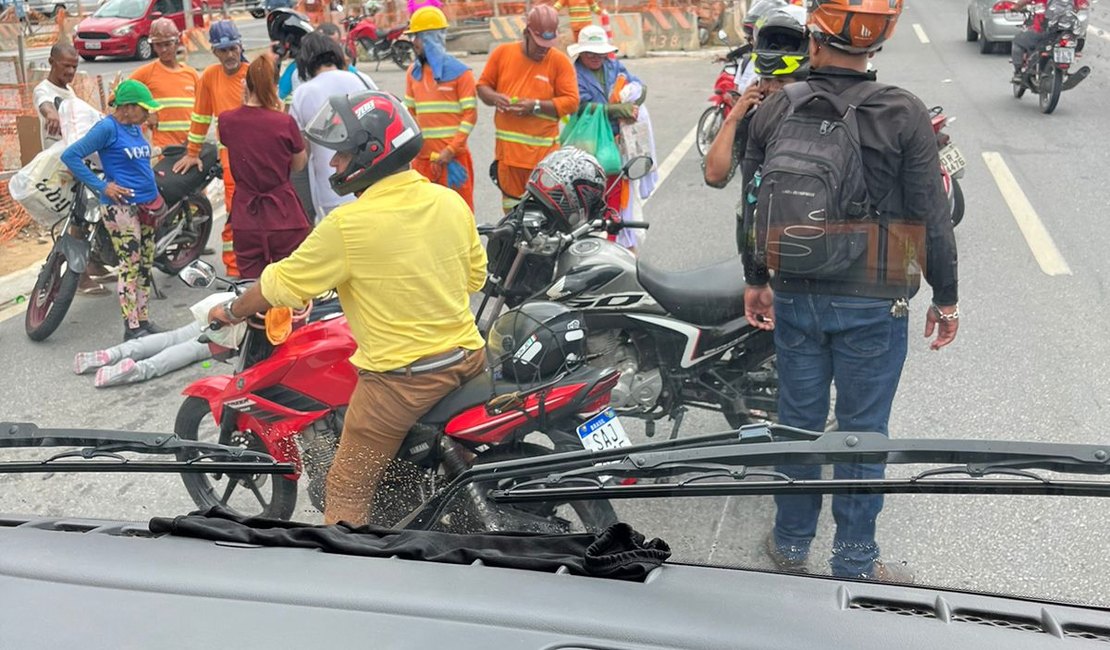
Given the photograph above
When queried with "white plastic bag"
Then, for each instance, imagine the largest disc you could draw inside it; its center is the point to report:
(45, 187)
(77, 117)
(228, 337)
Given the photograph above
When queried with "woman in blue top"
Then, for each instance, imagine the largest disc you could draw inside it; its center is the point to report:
(130, 194)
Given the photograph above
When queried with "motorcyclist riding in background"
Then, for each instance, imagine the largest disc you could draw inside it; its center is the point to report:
(1030, 38)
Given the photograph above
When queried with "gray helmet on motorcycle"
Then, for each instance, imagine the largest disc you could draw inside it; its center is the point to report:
(537, 341)
(756, 11)
(374, 128)
(781, 43)
(286, 28)
(570, 184)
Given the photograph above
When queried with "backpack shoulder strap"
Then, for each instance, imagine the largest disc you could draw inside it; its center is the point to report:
(797, 92)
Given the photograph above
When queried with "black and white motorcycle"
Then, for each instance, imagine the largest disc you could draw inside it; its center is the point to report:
(679, 339)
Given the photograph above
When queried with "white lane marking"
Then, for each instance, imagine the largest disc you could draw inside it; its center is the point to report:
(675, 157)
(1101, 31)
(921, 36)
(1036, 236)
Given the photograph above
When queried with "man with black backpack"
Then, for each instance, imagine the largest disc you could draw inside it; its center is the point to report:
(846, 212)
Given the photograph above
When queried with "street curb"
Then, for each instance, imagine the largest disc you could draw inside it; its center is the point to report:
(19, 283)
(689, 54)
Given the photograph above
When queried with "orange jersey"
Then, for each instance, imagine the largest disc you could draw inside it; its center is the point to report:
(176, 90)
(446, 110)
(216, 93)
(523, 140)
(579, 10)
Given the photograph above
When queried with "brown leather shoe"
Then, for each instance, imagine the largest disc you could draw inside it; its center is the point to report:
(781, 562)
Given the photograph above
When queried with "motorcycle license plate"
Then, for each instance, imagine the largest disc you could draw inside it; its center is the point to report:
(603, 432)
(951, 159)
(1064, 55)
(92, 45)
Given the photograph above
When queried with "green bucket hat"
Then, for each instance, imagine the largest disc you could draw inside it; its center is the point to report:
(135, 92)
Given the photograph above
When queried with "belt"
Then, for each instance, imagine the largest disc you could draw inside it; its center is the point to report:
(432, 363)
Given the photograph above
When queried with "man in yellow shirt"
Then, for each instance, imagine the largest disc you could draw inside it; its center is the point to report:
(405, 257)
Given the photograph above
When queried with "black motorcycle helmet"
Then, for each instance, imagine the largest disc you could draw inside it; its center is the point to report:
(754, 13)
(374, 128)
(536, 341)
(570, 184)
(782, 43)
(286, 28)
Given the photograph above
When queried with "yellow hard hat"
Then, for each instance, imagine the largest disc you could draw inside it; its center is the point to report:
(426, 19)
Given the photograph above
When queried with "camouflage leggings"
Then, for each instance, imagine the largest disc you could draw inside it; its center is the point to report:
(134, 244)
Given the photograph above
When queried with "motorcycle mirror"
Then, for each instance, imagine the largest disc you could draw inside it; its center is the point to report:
(198, 275)
(638, 167)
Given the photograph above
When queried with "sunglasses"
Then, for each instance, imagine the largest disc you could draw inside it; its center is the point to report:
(547, 36)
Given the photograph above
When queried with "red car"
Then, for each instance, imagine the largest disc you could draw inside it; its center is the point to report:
(122, 27)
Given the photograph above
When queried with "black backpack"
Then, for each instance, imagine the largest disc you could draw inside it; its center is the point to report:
(813, 213)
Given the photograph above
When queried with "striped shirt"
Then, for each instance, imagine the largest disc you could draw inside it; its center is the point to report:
(216, 93)
(445, 110)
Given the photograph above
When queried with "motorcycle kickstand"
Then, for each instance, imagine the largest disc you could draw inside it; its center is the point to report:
(679, 414)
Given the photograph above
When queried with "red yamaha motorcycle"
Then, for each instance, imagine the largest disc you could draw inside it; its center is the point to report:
(289, 401)
(721, 101)
(380, 46)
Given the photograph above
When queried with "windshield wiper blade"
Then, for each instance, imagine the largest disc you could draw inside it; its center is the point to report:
(100, 450)
(725, 469)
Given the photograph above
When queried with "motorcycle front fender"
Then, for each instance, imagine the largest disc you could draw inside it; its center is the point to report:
(210, 389)
(76, 252)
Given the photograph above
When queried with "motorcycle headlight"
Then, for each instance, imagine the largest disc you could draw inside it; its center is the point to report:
(123, 31)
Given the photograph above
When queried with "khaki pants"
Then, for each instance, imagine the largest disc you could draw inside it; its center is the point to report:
(382, 410)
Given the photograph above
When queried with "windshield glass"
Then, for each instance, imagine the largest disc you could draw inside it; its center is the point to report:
(941, 280)
(122, 9)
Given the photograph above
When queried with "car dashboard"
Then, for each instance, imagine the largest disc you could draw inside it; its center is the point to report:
(106, 584)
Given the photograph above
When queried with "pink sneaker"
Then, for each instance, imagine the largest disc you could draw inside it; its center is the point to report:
(86, 361)
(116, 375)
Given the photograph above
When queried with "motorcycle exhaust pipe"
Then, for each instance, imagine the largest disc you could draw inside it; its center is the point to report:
(1073, 79)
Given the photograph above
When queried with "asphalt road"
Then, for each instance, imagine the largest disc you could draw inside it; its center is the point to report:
(1030, 362)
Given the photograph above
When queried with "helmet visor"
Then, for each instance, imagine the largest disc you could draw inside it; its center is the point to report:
(329, 129)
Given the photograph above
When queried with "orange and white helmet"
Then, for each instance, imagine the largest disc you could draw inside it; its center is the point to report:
(854, 26)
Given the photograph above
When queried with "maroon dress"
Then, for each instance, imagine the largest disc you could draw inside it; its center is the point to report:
(266, 216)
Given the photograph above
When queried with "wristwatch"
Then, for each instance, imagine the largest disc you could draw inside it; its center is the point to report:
(536, 108)
(227, 310)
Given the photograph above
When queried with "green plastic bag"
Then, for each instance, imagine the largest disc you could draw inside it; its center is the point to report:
(589, 130)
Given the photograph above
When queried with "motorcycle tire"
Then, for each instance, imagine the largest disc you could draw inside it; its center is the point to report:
(402, 54)
(708, 125)
(201, 487)
(51, 296)
(1051, 87)
(1019, 90)
(958, 203)
(191, 242)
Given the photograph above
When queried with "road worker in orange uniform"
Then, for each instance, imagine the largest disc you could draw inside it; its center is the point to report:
(171, 83)
(580, 13)
(221, 89)
(531, 85)
(440, 94)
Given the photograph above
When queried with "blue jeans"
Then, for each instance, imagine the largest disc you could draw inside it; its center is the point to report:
(857, 343)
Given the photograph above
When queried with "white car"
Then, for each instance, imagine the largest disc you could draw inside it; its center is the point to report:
(995, 23)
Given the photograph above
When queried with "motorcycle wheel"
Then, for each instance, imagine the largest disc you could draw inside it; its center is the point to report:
(252, 495)
(402, 54)
(958, 203)
(189, 245)
(51, 296)
(708, 125)
(1019, 90)
(1051, 87)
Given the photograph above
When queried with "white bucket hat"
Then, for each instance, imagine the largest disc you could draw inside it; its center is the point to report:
(591, 39)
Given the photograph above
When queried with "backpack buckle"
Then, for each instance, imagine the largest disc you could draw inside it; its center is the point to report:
(826, 127)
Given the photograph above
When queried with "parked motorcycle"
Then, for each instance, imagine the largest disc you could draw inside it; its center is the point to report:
(289, 401)
(679, 339)
(722, 99)
(1047, 70)
(952, 165)
(179, 240)
(388, 46)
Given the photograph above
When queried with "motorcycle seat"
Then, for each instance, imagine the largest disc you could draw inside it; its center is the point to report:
(706, 296)
(471, 393)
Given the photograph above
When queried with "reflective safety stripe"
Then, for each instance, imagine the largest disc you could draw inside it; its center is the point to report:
(468, 102)
(173, 126)
(525, 139)
(437, 107)
(202, 119)
(175, 102)
(410, 102)
(440, 132)
(466, 127)
(196, 139)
